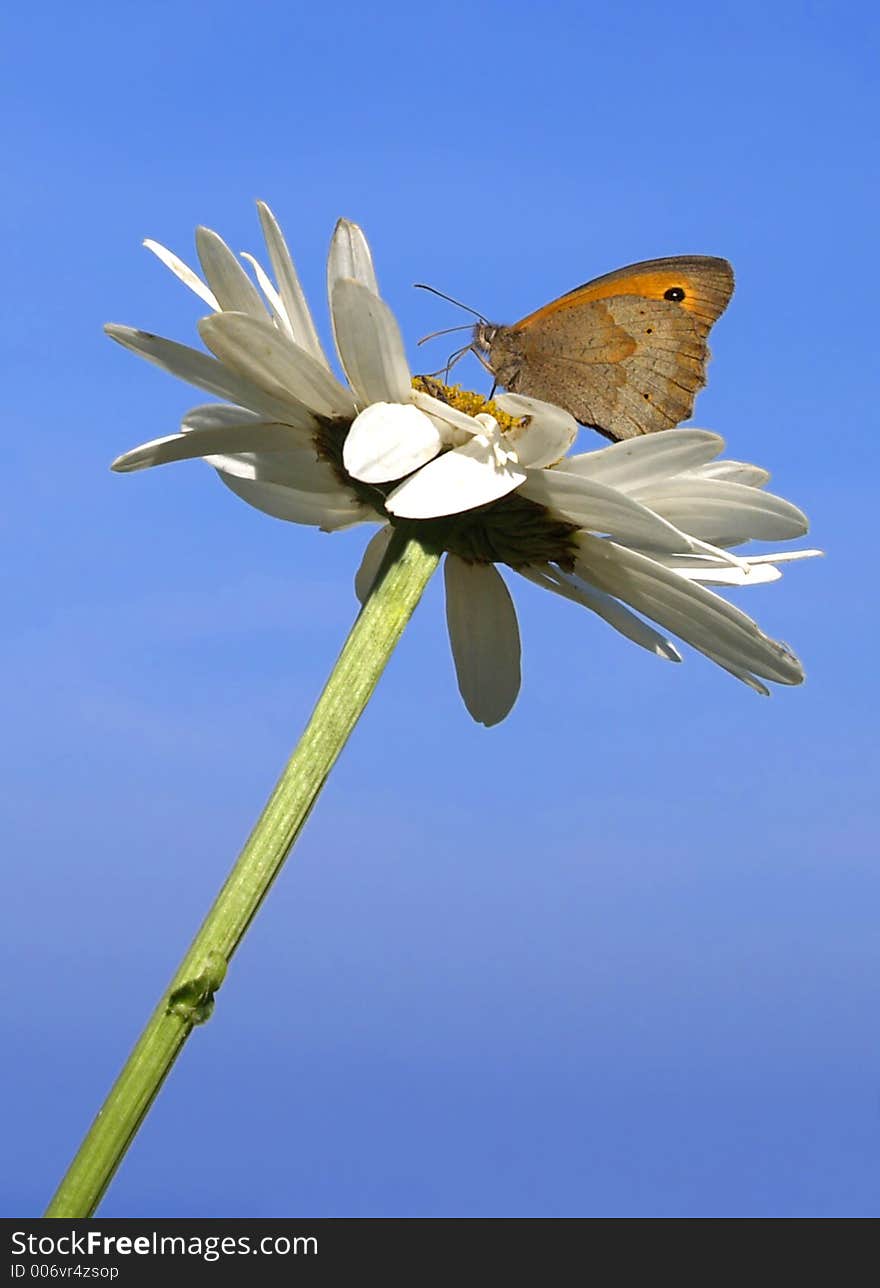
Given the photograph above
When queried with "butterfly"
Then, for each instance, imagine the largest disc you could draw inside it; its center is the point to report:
(625, 354)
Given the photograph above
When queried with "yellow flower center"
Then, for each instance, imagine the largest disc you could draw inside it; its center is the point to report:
(464, 400)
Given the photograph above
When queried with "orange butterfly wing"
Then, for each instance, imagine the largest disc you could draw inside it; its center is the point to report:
(705, 280)
(625, 353)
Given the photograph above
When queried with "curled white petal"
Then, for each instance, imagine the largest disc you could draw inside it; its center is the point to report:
(388, 441)
(462, 479)
(546, 435)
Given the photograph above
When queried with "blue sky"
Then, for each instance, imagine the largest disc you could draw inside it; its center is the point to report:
(617, 956)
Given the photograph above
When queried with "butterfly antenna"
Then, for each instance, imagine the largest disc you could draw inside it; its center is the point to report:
(453, 358)
(466, 326)
(420, 286)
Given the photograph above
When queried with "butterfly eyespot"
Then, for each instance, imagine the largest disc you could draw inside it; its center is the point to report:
(647, 397)
(675, 293)
(649, 330)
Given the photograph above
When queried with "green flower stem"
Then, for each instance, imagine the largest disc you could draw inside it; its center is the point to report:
(189, 999)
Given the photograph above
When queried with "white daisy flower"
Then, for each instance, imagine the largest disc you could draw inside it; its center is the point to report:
(296, 442)
(634, 531)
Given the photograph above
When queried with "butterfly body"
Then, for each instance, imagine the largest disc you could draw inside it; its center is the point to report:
(625, 354)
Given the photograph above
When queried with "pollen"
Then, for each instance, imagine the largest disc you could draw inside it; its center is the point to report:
(464, 400)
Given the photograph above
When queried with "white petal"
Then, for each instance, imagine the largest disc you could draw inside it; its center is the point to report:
(460, 426)
(599, 508)
(218, 416)
(369, 343)
(639, 461)
(733, 472)
(372, 562)
(722, 512)
(296, 507)
(703, 619)
(258, 350)
(182, 447)
(301, 469)
(183, 272)
(198, 368)
(753, 570)
(729, 576)
(228, 280)
(350, 257)
(784, 556)
(462, 479)
(608, 608)
(289, 288)
(389, 441)
(484, 635)
(547, 434)
(273, 299)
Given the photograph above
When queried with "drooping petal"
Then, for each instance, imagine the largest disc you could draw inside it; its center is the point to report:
(301, 469)
(721, 512)
(370, 346)
(608, 608)
(599, 508)
(226, 277)
(637, 462)
(783, 556)
(388, 441)
(459, 480)
(183, 271)
(296, 507)
(722, 574)
(733, 472)
(484, 635)
(350, 257)
(695, 614)
(258, 351)
(752, 570)
(289, 288)
(547, 434)
(182, 447)
(200, 369)
(372, 562)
